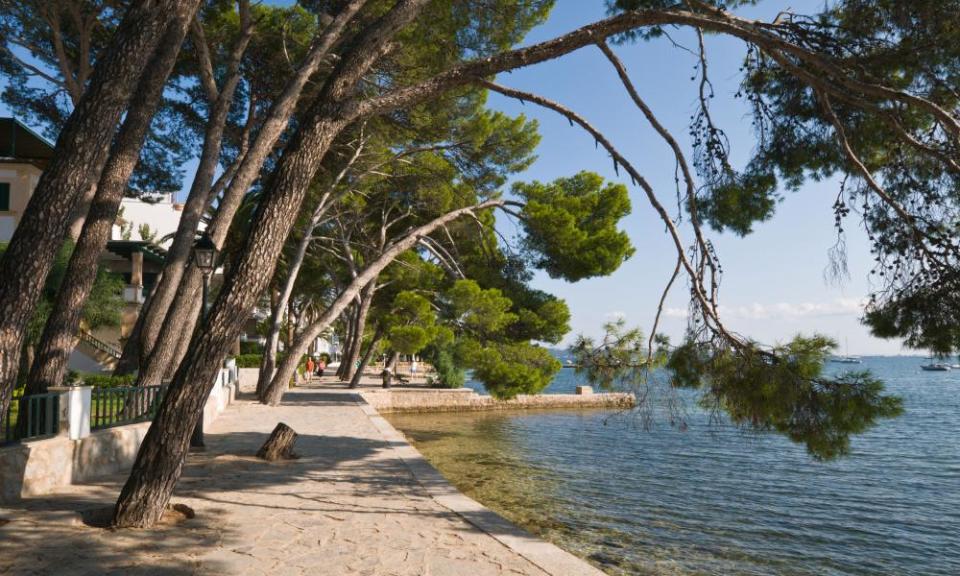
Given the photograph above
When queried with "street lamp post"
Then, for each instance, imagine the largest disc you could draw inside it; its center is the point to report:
(204, 258)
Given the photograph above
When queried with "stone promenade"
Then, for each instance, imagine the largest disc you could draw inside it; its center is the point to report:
(358, 501)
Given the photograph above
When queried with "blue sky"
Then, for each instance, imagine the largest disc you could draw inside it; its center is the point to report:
(774, 284)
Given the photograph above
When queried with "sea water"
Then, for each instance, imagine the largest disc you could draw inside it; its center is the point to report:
(638, 495)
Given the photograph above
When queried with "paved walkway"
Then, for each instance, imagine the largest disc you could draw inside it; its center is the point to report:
(359, 501)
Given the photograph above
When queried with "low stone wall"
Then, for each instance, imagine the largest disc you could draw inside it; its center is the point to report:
(37, 467)
(41, 466)
(396, 400)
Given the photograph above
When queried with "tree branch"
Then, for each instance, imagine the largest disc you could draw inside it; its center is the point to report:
(698, 290)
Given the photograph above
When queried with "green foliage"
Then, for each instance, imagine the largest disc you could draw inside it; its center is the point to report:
(620, 360)
(251, 347)
(448, 374)
(785, 390)
(106, 380)
(549, 322)
(105, 304)
(103, 307)
(540, 316)
(283, 34)
(927, 317)
(249, 360)
(411, 323)
(571, 225)
(146, 233)
(738, 203)
(910, 47)
(409, 339)
(480, 312)
(508, 369)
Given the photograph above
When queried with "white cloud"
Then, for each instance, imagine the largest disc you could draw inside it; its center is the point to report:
(782, 310)
(788, 310)
(670, 312)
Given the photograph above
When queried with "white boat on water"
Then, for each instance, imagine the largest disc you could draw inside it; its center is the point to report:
(847, 360)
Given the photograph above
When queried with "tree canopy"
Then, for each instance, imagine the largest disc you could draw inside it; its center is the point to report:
(352, 137)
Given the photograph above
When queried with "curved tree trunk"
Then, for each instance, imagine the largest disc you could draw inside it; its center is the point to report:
(160, 458)
(179, 325)
(348, 340)
(269, 361)
(81, 152)
(130, 355)
(371, 347)
(391, 364)
(180, 352)
(221, 100)
(60, 333)
(253, 160)
(285, 370)
(359, 325)
(270, 349)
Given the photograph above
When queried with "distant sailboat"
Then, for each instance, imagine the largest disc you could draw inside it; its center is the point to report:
(847, 358)
(936, 366)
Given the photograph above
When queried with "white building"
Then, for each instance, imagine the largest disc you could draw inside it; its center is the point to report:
(23, 156)
(153, 217)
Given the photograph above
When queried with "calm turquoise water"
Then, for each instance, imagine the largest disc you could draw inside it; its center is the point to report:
(715, 500)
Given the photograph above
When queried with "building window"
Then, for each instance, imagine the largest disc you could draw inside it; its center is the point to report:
(4, 197)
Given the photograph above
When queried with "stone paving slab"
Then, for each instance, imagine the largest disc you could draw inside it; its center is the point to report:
(359, 501)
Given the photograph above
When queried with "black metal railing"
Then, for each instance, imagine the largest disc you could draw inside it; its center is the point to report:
(118, 405)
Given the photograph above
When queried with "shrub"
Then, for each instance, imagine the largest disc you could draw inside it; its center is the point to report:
(448, 374)
(251, 348)
(249, 360)
(107, 380)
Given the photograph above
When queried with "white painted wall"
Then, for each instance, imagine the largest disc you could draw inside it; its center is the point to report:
(163, 217)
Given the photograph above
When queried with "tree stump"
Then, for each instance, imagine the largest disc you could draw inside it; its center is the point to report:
(279, 446)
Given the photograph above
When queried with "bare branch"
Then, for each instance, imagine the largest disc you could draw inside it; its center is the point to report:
(656, 319)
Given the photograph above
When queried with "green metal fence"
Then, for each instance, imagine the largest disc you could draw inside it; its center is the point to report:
(119, 405)
(34, 416)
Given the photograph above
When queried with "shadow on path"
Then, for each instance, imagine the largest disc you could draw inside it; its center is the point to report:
(349, 499)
